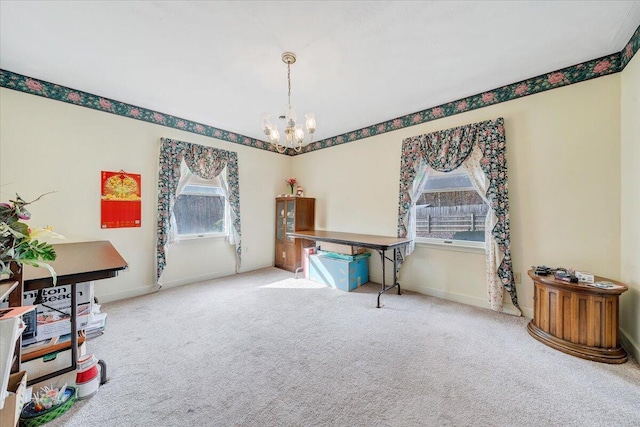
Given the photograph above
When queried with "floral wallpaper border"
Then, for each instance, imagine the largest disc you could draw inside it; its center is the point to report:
(49, 90)
(633, 45)
(574, 74)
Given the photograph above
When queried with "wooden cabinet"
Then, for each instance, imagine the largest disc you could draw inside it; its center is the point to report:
(292, 214)
(13, 289)
(578, 319)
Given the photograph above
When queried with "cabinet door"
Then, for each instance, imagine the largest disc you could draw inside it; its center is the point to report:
(280, 218)
(291, 260)
(291, 218)
(280, 256)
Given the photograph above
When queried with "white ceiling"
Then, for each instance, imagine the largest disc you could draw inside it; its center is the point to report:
(359, 62)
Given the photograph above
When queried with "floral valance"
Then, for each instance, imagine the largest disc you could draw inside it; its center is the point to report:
(207, 163)
(445, 150)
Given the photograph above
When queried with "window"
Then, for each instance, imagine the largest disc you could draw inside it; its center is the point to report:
(201, 209)
(450, 210)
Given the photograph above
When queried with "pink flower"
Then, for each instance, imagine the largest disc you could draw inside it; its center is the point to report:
(181, 124)
(628, 51)
(33, 85)
(397, 123)
(602, 66)
(339, 139)
(415, 118)
(522, 88)
(462, 105)
(380, 128)
(437, 112)
(199, 128)
(259, 144)
(366, 132)
(232, 136)
(352, 136)
(134, 112)
(487, 97)
(74, 96)
(158, 117)
(217, 134)
(556, 77)
(105, 103)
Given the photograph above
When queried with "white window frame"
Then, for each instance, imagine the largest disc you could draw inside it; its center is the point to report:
(195, 181)
(463, 245)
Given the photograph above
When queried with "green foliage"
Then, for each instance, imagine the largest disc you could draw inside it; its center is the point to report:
(17, 241)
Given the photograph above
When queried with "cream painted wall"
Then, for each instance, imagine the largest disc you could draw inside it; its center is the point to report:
(630, 147)
(563, 156)
(49, 145)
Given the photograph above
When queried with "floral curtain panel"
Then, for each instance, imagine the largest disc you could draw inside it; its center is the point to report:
(494, 255)
(445, 151)
(207, 163)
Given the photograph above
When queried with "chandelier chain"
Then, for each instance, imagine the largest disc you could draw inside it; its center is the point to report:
(289, 81)
(294, 135)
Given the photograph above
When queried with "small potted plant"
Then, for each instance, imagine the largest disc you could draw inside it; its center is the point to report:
(292, 182)
(19, 244)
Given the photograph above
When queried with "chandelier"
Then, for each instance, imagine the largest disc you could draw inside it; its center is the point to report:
(293, 132)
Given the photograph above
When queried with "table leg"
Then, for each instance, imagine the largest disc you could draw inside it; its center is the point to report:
(74, 327)
(382, 258)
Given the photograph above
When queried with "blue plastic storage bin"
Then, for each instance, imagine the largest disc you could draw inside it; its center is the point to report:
(339, 273)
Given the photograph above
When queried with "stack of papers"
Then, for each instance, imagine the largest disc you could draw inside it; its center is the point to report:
(604, 285)
(11, 327)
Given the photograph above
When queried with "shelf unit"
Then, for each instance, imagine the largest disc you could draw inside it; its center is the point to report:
(292, 214)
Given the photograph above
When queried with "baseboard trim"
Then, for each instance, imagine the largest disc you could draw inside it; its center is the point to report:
(253, 267)
(196, 279)
(175, 283)
(507, 308)
(629, 344)
(131, 293)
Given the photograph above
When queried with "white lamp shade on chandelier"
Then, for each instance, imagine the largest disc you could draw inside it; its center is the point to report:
(293, 131)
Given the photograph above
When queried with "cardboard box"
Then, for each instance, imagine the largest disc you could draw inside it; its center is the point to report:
(340, 249)
(585, 277)
(338, 273)
(52, 362)
(51, 317)
(305, 260)
(13, 403)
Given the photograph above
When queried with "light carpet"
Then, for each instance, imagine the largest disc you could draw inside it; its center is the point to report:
(266, 349)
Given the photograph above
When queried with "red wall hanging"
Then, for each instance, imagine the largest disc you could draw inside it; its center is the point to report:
(121, 200)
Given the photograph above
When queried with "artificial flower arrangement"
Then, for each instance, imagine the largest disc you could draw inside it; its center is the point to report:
(18, 243)
(292, 182)
(48, 397)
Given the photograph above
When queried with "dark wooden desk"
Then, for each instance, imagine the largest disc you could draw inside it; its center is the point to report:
(379, 243)
(75, 263)
(578, 319)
